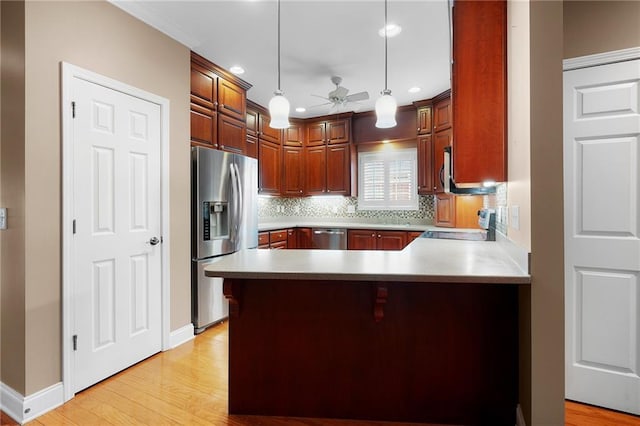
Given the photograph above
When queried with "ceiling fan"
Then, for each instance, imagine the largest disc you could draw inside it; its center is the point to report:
(339, 97)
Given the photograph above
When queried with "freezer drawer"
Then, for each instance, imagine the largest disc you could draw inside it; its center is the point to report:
(208, 306)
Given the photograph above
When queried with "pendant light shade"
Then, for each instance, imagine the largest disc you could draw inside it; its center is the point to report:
(279, 105)
(386, 105)
(279, 111)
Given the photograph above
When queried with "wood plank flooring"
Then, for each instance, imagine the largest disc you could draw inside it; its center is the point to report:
(188, 385)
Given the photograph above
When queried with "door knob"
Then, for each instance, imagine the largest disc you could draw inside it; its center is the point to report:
(154, 240)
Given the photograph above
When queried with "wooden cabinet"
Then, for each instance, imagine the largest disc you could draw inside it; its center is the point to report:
(426, 174)
(424, 120)
(442, 116)
(251, 121)
(304, 238)
(292, 238)
(294, 135)
(315, 169)
(367, 239)
(412, 235)
(457, 211)
(218, 105)
(278, 239)
(263, 240)
(267, 133)
(329, 132)
(338, 179)
(269, 173)
(292, 174)
(479, 91)
(440, 141)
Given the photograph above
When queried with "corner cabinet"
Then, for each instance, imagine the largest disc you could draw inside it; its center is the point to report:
(218, 106)
(479, 91)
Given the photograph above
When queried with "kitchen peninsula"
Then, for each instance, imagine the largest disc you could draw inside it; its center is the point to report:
(429, 333)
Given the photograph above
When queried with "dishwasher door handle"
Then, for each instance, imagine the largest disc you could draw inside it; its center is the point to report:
(329, 232)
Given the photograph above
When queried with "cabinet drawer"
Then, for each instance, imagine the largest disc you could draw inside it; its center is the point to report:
(263, 238)
(277, 236)
(279, 245)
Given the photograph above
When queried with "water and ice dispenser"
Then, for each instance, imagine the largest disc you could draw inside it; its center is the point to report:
(215, 220)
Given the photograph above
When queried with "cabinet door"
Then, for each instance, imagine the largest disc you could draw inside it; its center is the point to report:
(251, 120)
(479, 98)
(232, 135)
(361, 239)
(292, 172)
(304, 238)
(269, 176)
(338, 176)
(294, 135)
(203, 126)
(426, 184)
(203, 87)
(391, 240)
(442, 116)
(267, 133)
(412, 235)
(315, 133)
(424, 120)
(338, 131)
(445, 210)
(467, 211)
(252, 146)
(292, 238)
(315, 170)
(441, 140)
(232, 99)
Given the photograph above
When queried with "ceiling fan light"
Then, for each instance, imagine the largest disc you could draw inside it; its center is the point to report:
(386, 107)
(279, 111)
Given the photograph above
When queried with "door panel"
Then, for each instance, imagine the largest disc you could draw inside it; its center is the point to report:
(602, 248)
(117, 276)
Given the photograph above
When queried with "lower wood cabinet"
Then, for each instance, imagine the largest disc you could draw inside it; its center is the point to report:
(367, 239)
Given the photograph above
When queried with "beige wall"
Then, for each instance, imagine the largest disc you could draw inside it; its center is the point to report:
(547, 260)
(12, 181)
(600, 26)
(103, 39)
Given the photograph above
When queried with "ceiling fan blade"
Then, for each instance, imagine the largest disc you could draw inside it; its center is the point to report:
(360, 96)
(321, 97)
(320, 105)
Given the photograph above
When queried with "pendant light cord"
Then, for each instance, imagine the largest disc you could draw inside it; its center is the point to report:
(278, 45)
(385, 45)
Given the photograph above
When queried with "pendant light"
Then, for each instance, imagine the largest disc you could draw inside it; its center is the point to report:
(386, 105)
(279, 105)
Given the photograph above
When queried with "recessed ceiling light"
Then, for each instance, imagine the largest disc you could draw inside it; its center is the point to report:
(392, 30)
(301, 109)
(414, 90)
(237, 69)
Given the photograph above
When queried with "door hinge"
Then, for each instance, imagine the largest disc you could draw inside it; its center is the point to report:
(74, 226)
(73, 109)
(75, 342)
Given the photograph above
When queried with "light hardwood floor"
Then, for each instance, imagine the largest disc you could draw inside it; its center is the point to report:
(188, 385)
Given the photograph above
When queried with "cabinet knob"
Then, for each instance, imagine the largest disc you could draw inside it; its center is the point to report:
(373, 235)
(418, 128)
(378, 235)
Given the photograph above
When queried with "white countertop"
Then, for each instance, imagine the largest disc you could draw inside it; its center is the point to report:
(424, 260)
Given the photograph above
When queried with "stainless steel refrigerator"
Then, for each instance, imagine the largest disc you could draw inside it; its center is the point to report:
(224, 219)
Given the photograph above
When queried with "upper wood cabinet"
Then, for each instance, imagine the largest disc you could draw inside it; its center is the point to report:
(338, 180)
(479, 91)
(315, 158)
(266, 132)
(440, 141)
(218, 107)
(424, 120)
(459, 211)
(269, 168)
(426, 175)
(328, 132)
(442, 115)
(294, 135)
(292, 175)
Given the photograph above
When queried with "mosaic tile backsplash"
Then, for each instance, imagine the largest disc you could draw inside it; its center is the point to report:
(341, 208)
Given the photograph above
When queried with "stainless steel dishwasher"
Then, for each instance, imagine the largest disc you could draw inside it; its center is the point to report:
(329, 238)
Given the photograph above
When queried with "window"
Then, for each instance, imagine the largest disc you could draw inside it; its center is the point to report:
(387, 180)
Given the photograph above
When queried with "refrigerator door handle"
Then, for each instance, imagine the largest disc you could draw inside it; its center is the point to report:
(240, 197)
(237, 206)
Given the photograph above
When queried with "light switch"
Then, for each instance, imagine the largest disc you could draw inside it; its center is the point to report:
(515, 217)
(3, 218)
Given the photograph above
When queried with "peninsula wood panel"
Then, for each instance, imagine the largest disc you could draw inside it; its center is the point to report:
(441, 353)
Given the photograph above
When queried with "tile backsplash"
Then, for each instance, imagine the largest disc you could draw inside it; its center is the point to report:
(341, 208)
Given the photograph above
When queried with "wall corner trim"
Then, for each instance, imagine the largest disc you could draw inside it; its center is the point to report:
(601, 58)
(23, 409)
(181, 335)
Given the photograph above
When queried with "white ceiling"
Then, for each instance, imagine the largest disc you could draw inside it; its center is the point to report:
(318, 39)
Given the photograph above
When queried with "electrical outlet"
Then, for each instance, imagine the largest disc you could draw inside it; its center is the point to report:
(3, 218)
(351, 209)
(335, 209)
(296, 209)
(515, 217)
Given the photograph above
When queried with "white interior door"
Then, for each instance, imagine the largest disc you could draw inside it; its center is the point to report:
(602, 241)
(117, 210)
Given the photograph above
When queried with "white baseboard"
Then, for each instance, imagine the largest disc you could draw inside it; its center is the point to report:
(23, 409)
(520, 417)
(181, 335)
